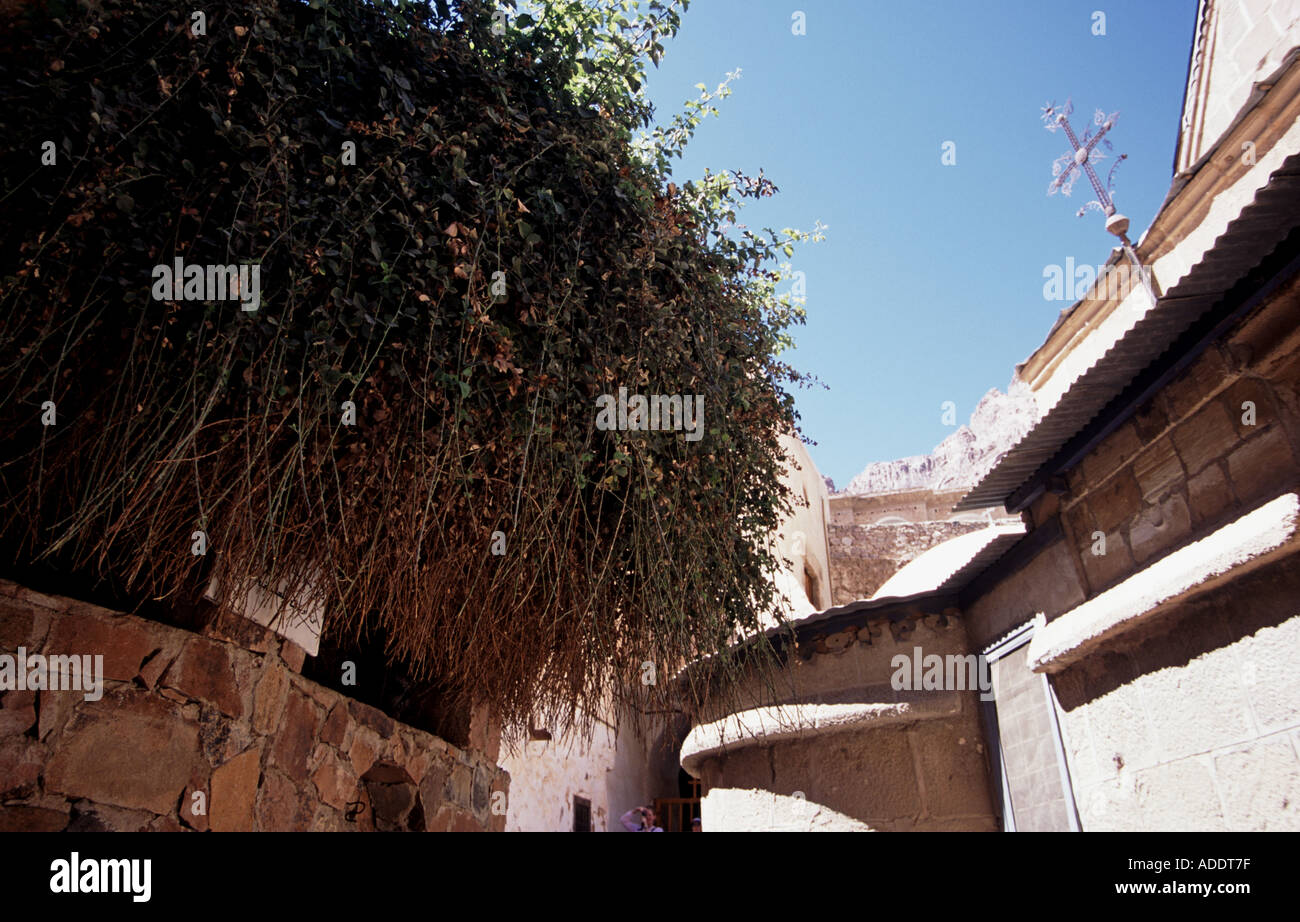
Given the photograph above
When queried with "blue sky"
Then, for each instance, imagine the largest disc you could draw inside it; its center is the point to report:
(929, 286)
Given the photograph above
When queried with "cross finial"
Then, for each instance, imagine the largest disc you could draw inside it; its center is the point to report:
(1079, 161)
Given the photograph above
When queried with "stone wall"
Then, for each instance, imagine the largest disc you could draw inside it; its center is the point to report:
(1194, 723)
(1192, 720)
(1239, 44)
(223, 715)
(863, 557)
(904, 505)
(1218, 440)
(829, 744)
(873, 536)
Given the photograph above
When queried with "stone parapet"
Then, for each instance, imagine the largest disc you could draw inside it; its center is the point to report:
(198, 732)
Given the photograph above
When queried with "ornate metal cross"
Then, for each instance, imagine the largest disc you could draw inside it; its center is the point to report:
(1069, 166)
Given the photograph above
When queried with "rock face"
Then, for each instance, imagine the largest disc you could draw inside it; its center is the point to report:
(999, 421)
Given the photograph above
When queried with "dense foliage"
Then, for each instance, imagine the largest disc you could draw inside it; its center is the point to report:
(488, 150)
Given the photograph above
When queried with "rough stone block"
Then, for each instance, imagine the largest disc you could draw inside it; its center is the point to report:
(204, 670)
(281, 807)
(1079, 522)
(1159, 528)
(372, 717)
(1104, 570)
(334, 781)
(1157, 469)
(1150, 421)
(22, 818)
(296, 737)
(1209, 495)
(1204, 436)
(21, 762)
(1269, 334)
(335, 729)
(1199, 382)
(1262, 465)
(221, 738)
(293, 655)
(1115, 502)
(1115, 451)
(458, 789)
(268, 703)
(235, 629)
(1237, 400)
(17, 713)
(128, 750)
(123, 641)
(92, 817)
(365, 746)
(234, 793)
(22, 624)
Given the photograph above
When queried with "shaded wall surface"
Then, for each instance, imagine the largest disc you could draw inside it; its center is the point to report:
(830, 744)
(226, 717)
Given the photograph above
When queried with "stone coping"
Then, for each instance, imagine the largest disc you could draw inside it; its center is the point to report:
(1199, 567)
(783, 723)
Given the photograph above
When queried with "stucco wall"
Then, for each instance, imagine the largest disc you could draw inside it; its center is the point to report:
(805, 582)
(1195, 723)
(615, 769)
(546, 776)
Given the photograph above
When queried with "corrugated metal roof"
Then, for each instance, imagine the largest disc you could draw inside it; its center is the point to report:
(1247, 240)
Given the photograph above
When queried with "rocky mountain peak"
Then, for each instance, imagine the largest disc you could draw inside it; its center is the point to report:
(999, 421)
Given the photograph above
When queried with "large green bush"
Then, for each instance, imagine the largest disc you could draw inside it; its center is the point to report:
(477, 151)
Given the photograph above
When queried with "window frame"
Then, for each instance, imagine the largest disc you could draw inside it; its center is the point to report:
(1010, 643)
(584, 802)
